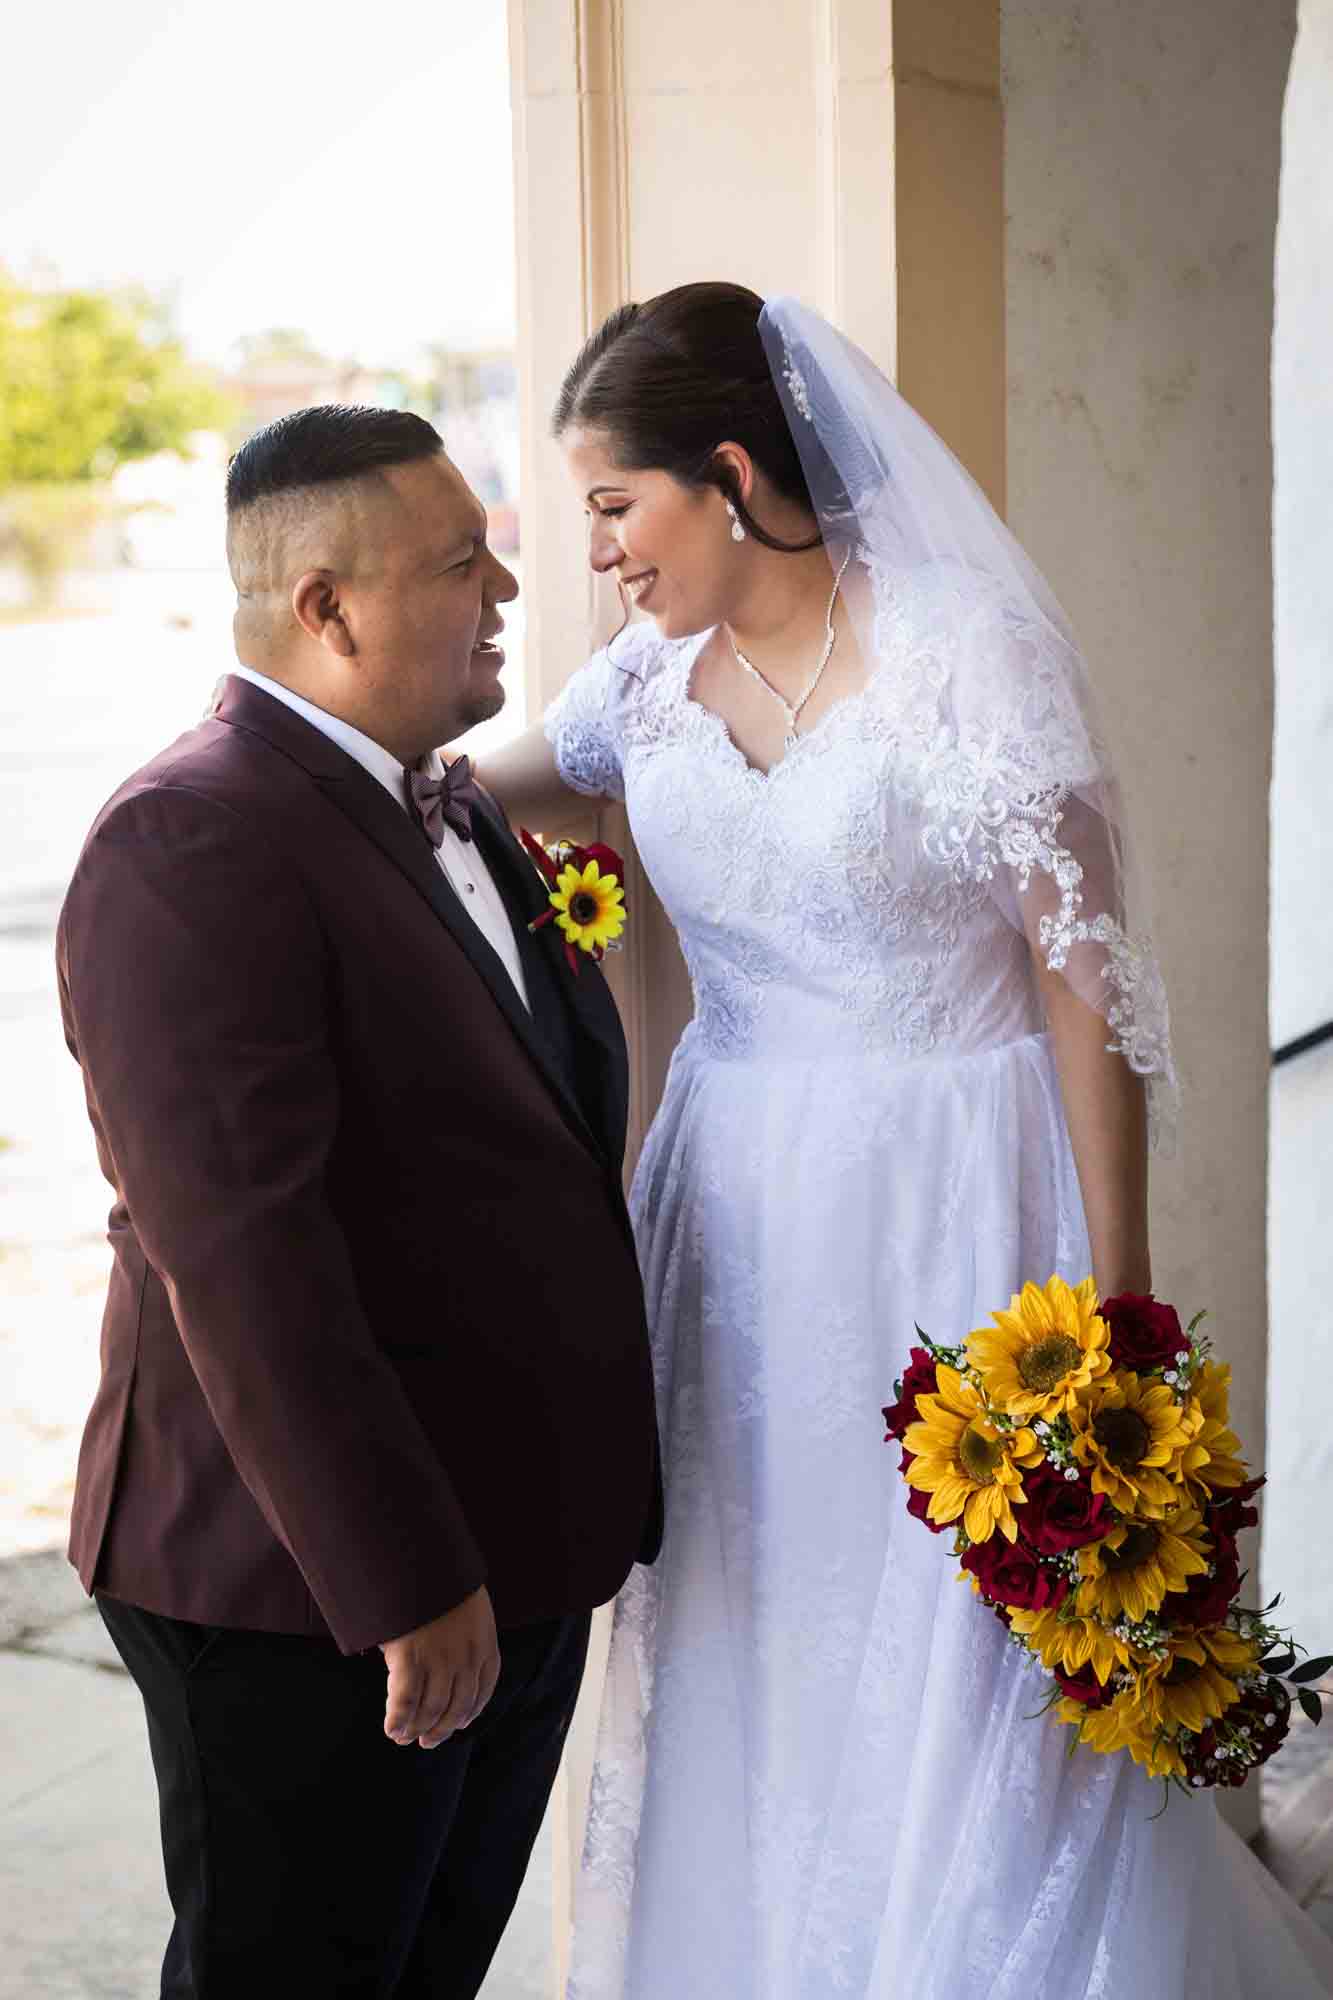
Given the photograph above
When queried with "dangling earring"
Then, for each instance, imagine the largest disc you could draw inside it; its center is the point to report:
(737, 531)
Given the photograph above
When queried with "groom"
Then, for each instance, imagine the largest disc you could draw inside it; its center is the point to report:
(375, 1424)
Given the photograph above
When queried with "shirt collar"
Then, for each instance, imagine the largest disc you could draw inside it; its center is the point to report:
(371, 756)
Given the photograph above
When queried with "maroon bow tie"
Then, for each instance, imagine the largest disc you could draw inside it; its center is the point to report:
(444, 801)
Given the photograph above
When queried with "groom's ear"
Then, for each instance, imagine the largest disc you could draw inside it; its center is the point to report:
(317, 610)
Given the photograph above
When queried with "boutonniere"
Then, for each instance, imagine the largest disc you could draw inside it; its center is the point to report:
(584, 893)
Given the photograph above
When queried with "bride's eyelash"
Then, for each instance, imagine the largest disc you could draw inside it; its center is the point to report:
(614, 513)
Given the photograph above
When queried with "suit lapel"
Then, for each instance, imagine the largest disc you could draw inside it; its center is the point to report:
(585, 995)
(364, 800)
(367, 802)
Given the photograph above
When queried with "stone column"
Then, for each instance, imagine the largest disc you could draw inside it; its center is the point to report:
(1141, 170)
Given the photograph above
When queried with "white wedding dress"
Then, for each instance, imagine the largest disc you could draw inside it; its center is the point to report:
(817, 1772)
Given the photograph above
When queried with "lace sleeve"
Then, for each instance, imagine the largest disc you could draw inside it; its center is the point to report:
(1018, 793)
(583, 728)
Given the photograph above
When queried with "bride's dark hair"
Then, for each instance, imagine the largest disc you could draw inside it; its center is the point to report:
(668, 381)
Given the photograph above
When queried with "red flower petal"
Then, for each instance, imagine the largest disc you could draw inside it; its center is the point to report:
(539, 855)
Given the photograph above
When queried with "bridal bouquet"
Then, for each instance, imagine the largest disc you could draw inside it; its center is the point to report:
(1081, 1453)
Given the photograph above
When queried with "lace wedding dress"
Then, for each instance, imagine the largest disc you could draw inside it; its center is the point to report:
(817, 1772)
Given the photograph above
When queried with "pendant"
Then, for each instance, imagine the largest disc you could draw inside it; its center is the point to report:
(789, 741)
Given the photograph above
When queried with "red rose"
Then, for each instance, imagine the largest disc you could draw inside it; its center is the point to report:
(1254, 1709)
(1083, 1686)
(1206, 1600)
(608, 861)
(1061, 1513)
(1229, 1513)
(1012, 1575)
(918, 1500)
(1144, 1333)
(1255, 1706)
(919, 1379)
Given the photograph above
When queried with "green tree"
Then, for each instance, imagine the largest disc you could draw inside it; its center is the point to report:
(88, 382)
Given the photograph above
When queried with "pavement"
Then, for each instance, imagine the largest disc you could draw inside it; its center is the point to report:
(83, 1909)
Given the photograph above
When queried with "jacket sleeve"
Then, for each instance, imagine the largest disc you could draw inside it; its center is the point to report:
(197, 999)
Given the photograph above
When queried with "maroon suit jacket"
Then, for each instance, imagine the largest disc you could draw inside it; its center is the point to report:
(375, 1331)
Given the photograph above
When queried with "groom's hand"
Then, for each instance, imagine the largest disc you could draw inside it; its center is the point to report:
(442, 1675)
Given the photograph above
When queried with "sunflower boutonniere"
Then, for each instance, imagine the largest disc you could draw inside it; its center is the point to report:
(585, 894)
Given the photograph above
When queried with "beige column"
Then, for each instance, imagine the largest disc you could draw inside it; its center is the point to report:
(647, 154)
(847, 151)
(1142, 157)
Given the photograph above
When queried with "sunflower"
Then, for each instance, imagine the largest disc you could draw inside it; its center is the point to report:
(1133, 1435)
(589, 906)
(1213, 1458)
(1050, 1344)
(1131, 1571)
(965, 1462)
(1071, 1643)
(1124, 1725)
(1195, 1683)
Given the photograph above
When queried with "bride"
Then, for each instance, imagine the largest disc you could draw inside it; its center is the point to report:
(862, 767)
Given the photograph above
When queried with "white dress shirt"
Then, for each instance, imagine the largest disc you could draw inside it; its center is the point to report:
(463, 866)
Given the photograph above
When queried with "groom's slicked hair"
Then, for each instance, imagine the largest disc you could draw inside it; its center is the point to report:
(325, 445)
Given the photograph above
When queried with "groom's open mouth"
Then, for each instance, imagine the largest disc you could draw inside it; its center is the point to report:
(486, 649)
(640, 587)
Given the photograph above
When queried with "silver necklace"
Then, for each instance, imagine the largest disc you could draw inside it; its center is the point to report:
(791, 709)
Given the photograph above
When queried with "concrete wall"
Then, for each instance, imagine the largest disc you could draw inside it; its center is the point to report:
(1141, 189)
(1300, 1458)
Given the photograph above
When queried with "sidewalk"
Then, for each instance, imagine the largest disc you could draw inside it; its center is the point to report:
(83, 1911)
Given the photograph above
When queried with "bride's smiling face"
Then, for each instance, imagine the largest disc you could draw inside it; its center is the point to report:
(668, 545)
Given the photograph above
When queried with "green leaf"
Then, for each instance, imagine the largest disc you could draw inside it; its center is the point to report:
(1311, 1703)
(88, 381)
(1310, 1670)
(1279, 1663)
(1166, 1800)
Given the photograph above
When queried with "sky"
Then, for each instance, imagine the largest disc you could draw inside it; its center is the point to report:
(342, 169)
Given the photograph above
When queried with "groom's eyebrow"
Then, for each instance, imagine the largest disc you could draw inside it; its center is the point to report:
(465, 541)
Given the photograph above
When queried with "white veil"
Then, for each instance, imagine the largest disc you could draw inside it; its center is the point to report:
(1015, 784)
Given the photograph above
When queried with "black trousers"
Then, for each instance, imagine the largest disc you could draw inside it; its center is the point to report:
(305, 1853)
